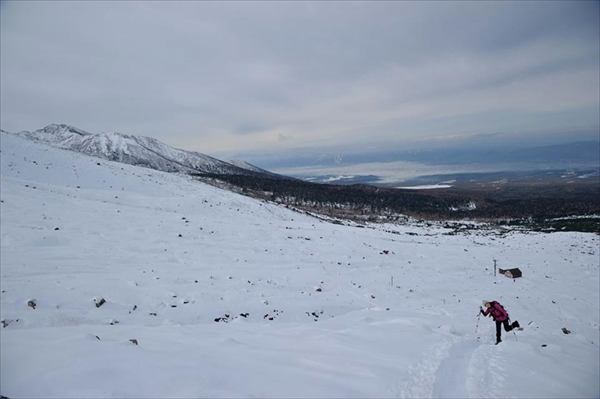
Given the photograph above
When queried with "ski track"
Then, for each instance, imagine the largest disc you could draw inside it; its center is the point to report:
(453, 372)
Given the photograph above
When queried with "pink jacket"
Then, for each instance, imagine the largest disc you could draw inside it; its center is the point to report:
(497, 311)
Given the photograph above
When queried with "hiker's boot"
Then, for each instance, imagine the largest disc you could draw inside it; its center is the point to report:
(515, 324)
(498, 341)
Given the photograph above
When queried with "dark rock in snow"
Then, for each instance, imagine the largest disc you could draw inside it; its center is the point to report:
(100, 303)
(32, 303)
(134, 341)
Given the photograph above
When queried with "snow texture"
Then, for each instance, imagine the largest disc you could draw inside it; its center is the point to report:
(220, 293)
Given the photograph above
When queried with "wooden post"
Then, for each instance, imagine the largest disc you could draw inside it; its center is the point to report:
(494, 267)
(392, 282)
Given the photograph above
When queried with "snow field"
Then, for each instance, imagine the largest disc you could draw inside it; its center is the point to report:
(169, 255)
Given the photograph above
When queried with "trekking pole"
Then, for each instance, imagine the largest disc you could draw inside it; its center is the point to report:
(478, 316)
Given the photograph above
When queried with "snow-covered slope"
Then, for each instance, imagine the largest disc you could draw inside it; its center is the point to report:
(322, 317)
(133, 150)
(248, 166)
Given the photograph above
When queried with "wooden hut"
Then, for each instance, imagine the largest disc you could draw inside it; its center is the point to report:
(511, 273)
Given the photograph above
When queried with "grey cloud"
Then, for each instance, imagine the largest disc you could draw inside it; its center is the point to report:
(216, 75)
(249, 128)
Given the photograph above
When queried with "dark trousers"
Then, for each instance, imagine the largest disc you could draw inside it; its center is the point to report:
(507, 328)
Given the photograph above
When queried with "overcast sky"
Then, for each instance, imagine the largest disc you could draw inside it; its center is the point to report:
(228, 77)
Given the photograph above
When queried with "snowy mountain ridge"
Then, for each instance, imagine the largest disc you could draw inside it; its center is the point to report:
(248, 166)
(130, 149)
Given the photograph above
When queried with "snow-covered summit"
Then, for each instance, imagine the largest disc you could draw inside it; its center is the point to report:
(130, 149)
(61, 130)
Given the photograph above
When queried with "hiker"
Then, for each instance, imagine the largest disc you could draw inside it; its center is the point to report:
(499, 315)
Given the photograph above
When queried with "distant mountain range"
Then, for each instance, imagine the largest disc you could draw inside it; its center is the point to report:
(137, 150)
(579, 153)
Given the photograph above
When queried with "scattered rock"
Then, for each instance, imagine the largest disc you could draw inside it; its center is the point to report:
(134, 341)
(244, 314)
(224, 319)
(32, 303)
(100, 303)
(6, 322)
(564, 330)
(544, 345)
(319, 289)
(97, 337)
(56, 229)
(152, 314)
(113, 322)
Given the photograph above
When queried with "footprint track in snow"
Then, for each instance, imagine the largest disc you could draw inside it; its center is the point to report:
(452, 375)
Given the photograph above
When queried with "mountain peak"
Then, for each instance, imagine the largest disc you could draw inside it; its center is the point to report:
(134, 150)
(62, 128)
